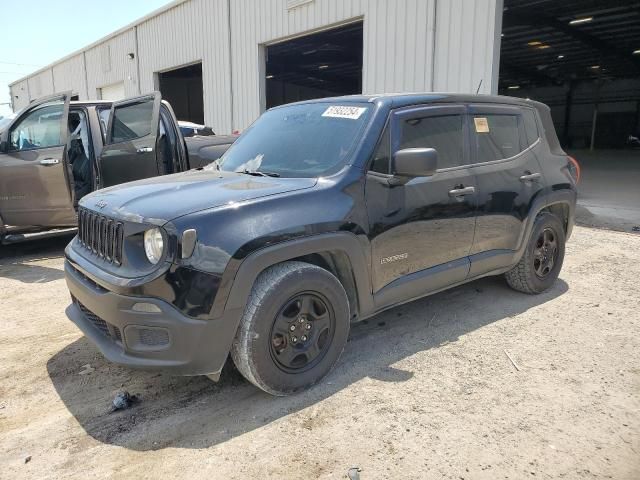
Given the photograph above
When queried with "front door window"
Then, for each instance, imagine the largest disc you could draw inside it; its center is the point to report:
(41, 128)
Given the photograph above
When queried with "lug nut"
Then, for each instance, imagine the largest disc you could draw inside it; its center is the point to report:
(294, 339)
(292, 328)
(301, 320)
(303, 338)
(308, 326)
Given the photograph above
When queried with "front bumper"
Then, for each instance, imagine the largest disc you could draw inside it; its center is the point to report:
(160, 337)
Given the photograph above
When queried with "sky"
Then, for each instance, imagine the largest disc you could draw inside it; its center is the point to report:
(43, 31)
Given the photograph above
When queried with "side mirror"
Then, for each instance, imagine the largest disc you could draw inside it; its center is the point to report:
(415, 162)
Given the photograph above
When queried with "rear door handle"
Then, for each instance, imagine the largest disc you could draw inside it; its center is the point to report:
(144, 150)
(459, 192)
(49, 161)
(531, 177)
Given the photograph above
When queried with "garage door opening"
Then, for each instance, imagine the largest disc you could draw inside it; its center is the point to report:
(320, 65)
(113, 92)
(182, 88)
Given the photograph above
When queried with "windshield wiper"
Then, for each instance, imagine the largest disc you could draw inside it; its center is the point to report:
(260, 173)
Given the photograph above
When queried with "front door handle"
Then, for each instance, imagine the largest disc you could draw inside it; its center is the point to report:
(49, 161)
(459, 192)
(530, 177)
(144, 150)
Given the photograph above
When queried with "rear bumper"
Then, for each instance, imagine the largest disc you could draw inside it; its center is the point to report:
(160, 337)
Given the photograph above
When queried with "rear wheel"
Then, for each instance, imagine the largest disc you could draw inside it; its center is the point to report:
(294, 328)
(541, 262)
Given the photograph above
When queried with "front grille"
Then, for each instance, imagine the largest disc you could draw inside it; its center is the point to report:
(101, 235)
(105, 328)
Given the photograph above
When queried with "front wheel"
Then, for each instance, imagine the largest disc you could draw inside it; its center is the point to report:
(294, 328)
(541, 262)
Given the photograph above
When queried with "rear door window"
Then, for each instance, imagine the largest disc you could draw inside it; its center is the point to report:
(495, 137)
(444, 133)
(131, 121)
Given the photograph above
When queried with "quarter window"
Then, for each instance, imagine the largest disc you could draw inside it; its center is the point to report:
(495, 137)
(530, 126)
(41, 128)
(131, 121)
(442, 133)
(380, 162)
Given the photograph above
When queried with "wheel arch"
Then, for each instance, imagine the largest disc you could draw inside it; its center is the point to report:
(340, 253)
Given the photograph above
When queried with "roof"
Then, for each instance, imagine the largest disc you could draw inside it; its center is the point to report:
(127, 27)
(408, 99)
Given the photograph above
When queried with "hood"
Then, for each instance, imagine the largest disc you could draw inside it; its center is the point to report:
(161, 199)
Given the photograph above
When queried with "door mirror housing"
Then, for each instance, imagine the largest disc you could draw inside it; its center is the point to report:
(415, 162)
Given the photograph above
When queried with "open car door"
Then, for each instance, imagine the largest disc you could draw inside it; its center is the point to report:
(130, 150)
(36, 185)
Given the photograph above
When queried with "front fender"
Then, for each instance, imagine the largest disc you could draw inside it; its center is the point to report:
(236, 285)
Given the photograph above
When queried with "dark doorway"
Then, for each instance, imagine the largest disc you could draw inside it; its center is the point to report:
(182, 88)
(320, 65)
(580, 57)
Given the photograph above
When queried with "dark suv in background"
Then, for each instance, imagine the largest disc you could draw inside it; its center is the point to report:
(321, 214)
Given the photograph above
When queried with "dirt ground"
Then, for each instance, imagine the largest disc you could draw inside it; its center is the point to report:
(425, 390)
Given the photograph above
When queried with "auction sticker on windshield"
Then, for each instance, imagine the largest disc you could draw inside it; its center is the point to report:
(336, 111)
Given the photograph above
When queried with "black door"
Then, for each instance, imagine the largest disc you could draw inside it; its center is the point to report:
(130, 150)
(504, 142)
(421, 229)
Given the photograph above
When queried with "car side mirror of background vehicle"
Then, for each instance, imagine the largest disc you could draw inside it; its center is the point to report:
(415, 162)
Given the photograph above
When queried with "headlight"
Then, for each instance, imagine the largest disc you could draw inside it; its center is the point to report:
(153, 245)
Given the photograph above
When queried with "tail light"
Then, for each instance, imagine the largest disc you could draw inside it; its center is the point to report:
(574, 169)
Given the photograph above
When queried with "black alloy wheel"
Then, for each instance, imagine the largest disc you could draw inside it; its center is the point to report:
(545, 253)
(302, 332)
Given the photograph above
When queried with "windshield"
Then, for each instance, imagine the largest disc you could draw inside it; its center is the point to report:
(307, 140)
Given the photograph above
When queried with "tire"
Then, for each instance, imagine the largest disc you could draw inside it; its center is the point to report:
(542, 260)
(293, 330)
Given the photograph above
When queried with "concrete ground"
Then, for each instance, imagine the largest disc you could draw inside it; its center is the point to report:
(479, 382)
(609, 192)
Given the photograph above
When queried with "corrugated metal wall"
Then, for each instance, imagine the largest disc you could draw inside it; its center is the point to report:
(409, 45)
(108, 63)
(20, 94)
(195, 31)
(69, 75)
(467, 39)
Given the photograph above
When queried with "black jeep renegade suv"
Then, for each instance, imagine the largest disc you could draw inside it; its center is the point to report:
(321, 214)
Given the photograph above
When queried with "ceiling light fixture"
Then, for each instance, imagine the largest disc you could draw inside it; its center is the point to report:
(270, 76)
(560, 57)
(578, 21)
(322, 67)
(534, 43)
(594, 67)
(513, 87)
(543, 47)
(636, 52)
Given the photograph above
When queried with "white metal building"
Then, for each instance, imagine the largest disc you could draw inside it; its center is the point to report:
(224, 61)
